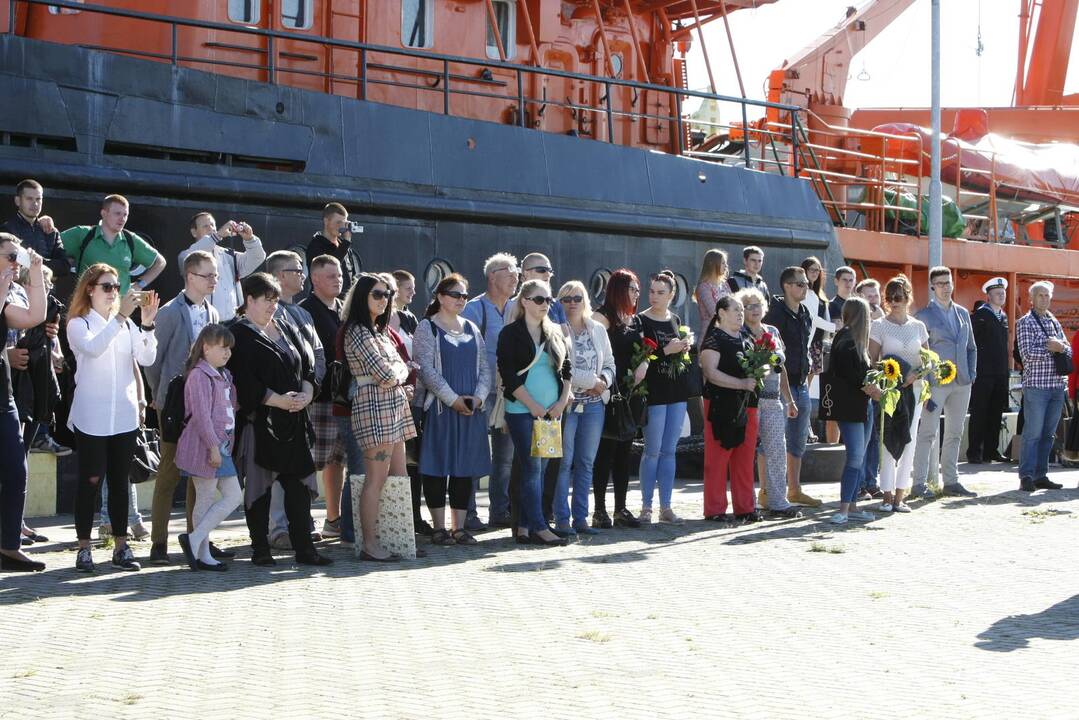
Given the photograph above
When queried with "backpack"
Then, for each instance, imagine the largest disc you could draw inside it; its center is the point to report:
(173, 417)
(128, 237)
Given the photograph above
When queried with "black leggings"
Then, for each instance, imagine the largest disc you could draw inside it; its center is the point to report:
(105, 456)
(434, 491)
(297, 510)
(612, 461)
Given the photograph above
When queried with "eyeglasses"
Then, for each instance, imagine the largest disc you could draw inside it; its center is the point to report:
(798, 283)
(108, 287)
(753, 306)
(541, 269)
(510, 269)
(635, 289)
(383, 294)
(207, 276)
(298, 271)
(576, 299)
(943, 283)
(455, 294)
(540, 300)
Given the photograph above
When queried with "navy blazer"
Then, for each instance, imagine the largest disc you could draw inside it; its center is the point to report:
(959, 348)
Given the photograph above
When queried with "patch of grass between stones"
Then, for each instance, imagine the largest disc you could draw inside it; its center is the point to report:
(594, 636)
(823, 548)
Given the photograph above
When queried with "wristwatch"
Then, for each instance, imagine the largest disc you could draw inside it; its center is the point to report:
(149, 328)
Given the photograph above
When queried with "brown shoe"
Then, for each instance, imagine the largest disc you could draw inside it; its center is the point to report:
(800, 498)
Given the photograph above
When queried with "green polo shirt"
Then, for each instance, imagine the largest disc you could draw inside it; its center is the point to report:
(117, 255)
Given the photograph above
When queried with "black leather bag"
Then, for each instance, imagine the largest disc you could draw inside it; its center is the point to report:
(625, 415)
(147, 456)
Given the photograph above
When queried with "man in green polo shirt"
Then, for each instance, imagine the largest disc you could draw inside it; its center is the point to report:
(111, 245)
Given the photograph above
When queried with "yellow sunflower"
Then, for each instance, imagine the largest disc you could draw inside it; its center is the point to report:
(948, 372)
(891, 369)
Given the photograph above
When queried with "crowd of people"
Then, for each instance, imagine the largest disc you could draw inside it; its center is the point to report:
(261, 379)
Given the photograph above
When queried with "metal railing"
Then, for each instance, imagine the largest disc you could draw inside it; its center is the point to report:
(443, 81)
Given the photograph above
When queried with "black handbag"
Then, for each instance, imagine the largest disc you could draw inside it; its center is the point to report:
(147, 456)
(625, 415)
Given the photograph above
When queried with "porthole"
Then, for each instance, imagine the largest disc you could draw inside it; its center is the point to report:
(597, 285)
(681, 290)
(436, 270)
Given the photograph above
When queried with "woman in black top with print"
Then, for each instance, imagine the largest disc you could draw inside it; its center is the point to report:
(13, 466)
(668, 391)
(618, 314)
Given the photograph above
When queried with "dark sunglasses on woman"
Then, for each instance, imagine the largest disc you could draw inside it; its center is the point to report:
(455, 294)
(383, 294)
(576, 299)
(109, 287)
(540, 300)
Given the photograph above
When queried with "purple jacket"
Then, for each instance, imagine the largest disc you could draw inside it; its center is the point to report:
(205, 403)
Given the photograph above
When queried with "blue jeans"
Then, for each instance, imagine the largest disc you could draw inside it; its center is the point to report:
(872, 451)
(498, 482)
(1041, 414)
(580, 441)
(798, 428)
(133, 514)
(353, 466)
(658, 461)
(855, 435)
(531, 491)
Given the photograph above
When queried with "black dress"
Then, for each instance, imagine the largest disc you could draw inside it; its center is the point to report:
(727, 406)
(662, 388)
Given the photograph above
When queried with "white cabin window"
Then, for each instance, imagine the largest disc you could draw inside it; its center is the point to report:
(244, 11)
(506, 18)
(296, 14)
(417, 23)
(56, 10)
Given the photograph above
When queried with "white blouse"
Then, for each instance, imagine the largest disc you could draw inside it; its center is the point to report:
(106, 399)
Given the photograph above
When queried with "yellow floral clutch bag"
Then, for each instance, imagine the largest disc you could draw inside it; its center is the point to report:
(547, 438)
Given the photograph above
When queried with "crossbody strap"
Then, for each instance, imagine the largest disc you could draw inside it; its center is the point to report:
(539, 354)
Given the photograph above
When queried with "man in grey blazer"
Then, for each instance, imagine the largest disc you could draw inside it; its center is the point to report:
(952, 337)
(179, 322)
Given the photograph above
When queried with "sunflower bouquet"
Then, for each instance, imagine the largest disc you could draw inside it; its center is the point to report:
(679, 364)
(887, 375)
(934, 371)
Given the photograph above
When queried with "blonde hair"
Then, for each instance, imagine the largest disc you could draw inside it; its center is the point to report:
(556, 342)
(751, 293)
(571, 285)
(714, 268)
(80, 299)
(856, 317)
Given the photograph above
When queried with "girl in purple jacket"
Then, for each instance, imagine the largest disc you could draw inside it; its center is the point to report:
(204, 450)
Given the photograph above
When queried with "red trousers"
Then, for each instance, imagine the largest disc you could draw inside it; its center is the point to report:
(737, 462)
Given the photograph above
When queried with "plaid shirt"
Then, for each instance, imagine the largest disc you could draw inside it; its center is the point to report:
(1038, 368)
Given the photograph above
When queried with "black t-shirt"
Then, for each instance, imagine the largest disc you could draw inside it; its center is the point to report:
(663, 389)
(327, 321)
(728, 347)
(835, 308)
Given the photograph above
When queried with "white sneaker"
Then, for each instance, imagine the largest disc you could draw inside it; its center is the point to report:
(838, 519)
(666, 515)
(862, 515)
(902, 507)
(645, 518)
(885, 507)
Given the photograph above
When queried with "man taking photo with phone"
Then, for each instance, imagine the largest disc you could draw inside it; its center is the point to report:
(335, 240)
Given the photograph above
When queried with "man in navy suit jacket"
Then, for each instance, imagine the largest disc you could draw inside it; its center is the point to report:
(951, 337)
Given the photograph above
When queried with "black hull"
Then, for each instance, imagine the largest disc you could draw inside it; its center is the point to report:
(175, 141)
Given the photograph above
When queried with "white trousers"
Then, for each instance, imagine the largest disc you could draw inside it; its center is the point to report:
(896, 474)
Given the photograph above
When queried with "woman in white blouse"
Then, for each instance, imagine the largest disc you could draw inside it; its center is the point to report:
(106, 410)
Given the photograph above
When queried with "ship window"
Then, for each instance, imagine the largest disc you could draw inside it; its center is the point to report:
(296, 14)
(506, 18)
(435, 272)
(56, 10)
(417, 23)
(244, 11)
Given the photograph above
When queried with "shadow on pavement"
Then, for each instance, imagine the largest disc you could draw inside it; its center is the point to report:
(1010, 497)
(1058, 622)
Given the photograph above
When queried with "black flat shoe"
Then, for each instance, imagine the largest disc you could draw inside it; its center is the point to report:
(556, 542)
(602, 521)
(35, 536)
(214, 567)
(314, 559)
(624, 518)
(1044, 483)
(524, 540)
(1026, 484)
(218, 554)
(263, 559)
(185, 545)
(364, 555)
(159, 554)
(10, 564)
(26, 541)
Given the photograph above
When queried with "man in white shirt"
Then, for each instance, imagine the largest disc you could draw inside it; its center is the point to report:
(178, 325)
(232, 265)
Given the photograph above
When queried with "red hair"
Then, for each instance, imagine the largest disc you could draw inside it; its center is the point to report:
(617, 301)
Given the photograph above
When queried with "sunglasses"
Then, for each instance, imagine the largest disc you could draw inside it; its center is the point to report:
(540, 300)
(541, 269)
(571, 299)
(108, 287)
(383, 294)
(455, 294)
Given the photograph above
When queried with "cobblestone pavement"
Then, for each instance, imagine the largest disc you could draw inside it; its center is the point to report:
(964, 608)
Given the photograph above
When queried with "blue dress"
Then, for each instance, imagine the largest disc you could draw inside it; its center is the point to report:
(455, 445)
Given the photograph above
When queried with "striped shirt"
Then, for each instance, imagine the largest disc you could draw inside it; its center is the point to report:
(1031, 333)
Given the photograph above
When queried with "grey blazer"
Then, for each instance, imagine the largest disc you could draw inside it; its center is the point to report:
(174, 341)
(960, 349)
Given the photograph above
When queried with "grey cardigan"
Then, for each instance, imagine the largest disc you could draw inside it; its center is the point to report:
(174, 341)
(431, 385)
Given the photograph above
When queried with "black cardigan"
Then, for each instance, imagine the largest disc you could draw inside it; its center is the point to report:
(516, 350)
(283, 439)
(841, 396)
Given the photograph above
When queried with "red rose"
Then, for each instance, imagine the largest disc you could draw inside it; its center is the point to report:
(651, 344)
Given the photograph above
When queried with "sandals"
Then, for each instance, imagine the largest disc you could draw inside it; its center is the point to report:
(463, 537)
(442, 537)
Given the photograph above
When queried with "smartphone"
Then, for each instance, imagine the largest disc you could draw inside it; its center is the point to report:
(352, 227)
(468, 403)
(141, 297)
(22, 256)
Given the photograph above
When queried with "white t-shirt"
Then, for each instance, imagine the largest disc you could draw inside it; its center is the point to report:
(903, 341)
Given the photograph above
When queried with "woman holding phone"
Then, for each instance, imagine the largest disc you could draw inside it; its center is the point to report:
(454, 380)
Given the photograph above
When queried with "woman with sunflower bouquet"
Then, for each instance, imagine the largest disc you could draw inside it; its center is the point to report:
(899, 338)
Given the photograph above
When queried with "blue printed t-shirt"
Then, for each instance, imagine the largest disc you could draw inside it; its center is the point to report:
(541, 384)
(118, 255)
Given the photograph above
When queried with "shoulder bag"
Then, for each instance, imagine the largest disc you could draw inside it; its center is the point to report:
(1062, 363)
